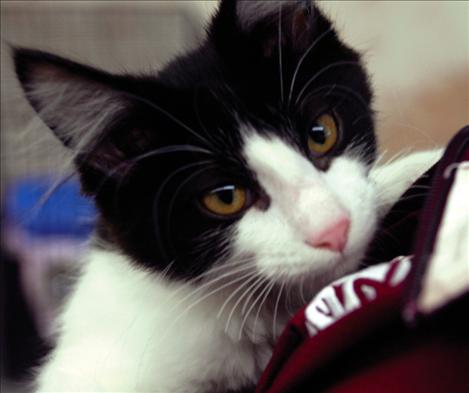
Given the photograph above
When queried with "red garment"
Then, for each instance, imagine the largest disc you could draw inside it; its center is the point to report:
(401, 326)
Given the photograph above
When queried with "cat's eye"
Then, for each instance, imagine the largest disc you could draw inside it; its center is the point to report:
(323, 134)
(226, 201)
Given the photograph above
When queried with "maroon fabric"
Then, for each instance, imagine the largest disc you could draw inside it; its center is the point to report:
(298, 356)
(438, 365)
(372, 348)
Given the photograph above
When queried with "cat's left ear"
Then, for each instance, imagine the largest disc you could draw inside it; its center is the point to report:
(292, 24)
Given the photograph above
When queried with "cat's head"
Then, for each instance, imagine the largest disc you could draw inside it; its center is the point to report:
(252, 149)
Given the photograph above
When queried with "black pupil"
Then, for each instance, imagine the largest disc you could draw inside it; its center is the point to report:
(226, 195)
(319, 134)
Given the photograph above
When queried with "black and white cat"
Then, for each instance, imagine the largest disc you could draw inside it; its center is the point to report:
(231, 186)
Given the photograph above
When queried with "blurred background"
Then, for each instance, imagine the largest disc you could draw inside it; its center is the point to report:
(417, 54)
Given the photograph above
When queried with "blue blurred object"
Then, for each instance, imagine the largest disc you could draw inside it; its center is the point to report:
(41, 207)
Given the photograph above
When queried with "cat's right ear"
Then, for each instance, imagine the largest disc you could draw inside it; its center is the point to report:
(86, 109)
(75, 101)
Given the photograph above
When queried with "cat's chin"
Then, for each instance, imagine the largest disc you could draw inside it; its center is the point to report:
(315, 274)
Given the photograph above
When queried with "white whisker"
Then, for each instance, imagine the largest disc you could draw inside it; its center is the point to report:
(253, 291)
(230, 316)
(302, 59)
(252, 306)
(229, 298)
(280, 53)
(267, 291)
(217, 279)
(277, 302)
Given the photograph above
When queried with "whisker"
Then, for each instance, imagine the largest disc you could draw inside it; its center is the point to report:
(289, 301)
(341, 88)
(302, 59)
(389, 235)
(158, 196)
(264, 299)
(280, 54)
(253, 291)
(302, 294)
(277, 302)
(217, 279)
(165, 271)
(46, 196)
(322, 71)
(230, 316)
(212, 136)
(394, 157)
(234, 262)
(362, 117)
(246, 316)
(409, 198)
(222, 267)
(127, 165)
(211, 272)
(178, 190)
(380, 158)
(228, 299)
(178, 318)
(169, 115)
(352, 93)
(419, 187)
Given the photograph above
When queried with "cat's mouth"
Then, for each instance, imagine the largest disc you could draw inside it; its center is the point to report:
(315, 266)
(317, 270)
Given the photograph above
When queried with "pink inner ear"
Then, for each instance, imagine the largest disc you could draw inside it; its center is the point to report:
(107, 159)
(300, 27)
(270, 46)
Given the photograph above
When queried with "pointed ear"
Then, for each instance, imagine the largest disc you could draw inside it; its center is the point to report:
(76, 102)
(261, 22)
(90, 111)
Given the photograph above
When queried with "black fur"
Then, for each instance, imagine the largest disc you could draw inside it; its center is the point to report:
(147, 191)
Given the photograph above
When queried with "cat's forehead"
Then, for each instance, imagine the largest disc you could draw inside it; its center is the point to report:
(274, 159)
(266, 68)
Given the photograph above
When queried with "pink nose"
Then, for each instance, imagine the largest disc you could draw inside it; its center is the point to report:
(333, 238)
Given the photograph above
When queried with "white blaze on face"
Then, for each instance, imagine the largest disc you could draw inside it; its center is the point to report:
(309, 210)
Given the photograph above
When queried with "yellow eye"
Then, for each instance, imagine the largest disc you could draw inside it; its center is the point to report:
(226, 200)
(323, 134)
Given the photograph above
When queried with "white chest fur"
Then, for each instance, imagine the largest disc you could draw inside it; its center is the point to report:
(125, 329)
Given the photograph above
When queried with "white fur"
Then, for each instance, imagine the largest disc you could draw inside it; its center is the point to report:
(128, 330)
(394, 178)
(304, 201)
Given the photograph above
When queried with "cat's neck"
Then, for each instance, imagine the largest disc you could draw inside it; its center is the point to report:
(123, 317)
(246, 313)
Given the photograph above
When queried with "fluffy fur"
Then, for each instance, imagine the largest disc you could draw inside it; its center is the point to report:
(147, 334)
(174, 298)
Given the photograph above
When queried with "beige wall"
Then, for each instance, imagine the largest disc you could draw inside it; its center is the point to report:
(417, 53)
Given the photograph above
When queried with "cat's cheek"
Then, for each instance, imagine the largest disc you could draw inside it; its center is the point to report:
(364, 221)
(349, 181)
